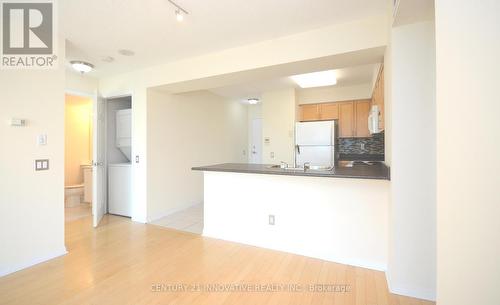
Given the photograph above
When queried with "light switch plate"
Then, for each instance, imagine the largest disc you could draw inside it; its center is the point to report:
(271, 220)
(41, 139)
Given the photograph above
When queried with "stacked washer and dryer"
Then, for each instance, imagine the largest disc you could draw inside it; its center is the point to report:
(120, 174)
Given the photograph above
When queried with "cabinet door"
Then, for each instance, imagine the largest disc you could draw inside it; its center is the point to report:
(309, 112)
(362, 112)
(346, 119)
(329, 111)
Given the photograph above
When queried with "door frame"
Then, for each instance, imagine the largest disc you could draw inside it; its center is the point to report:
(134, 201)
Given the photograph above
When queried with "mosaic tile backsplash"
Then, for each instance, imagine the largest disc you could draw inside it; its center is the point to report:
(372, 145)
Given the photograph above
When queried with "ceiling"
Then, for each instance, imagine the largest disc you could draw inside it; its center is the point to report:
(349, 76)
(96, 29)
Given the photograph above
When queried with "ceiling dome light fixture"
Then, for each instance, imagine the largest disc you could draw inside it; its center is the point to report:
(253, 101)
(179, 11)
(82, 66)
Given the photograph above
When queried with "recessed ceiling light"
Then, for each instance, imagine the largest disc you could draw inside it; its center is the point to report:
(82, 66)
(126, 52)
(316, 79)
(253, 101)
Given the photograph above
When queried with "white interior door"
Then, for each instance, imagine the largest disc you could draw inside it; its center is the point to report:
(98, 172)
(256, 141)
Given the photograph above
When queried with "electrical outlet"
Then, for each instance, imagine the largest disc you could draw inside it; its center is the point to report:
(137, 159)
(363, 146)
(42, 164)
(272, 155)
(271, 220)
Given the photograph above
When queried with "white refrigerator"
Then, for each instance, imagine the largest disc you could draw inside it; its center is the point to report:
(316, 143)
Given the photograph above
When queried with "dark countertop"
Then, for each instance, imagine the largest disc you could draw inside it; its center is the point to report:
(376, 171)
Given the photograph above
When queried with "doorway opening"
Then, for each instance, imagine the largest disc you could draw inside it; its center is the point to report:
(118, 150)
(98, 149)
(78, 134)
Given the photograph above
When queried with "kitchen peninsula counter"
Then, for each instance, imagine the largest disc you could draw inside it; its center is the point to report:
(339, 215)
(359, 171)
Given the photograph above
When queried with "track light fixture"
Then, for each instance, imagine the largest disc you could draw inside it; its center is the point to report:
(179, 11)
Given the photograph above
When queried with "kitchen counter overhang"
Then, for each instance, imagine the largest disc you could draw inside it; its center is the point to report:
(378, 171)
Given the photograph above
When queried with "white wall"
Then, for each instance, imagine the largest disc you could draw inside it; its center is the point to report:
(184, 131)
(80, 83)
(31, 203)
(254, 112)
(334, 94)
(412, 248)
(468, 150)
(340, 220)
(278, 123)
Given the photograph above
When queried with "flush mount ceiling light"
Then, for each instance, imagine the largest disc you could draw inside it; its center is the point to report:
(82, 66)
(179, 11)
(253, 101)
(316, 79)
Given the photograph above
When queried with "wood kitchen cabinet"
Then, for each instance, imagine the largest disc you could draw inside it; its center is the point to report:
(346, 119)
(319, 112)
(309, 112)
(352, 116)
(362, 110)
(329, 111)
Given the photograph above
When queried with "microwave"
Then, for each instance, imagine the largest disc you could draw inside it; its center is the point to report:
(373, 120)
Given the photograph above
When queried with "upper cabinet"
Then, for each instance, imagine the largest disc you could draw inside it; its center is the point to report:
(352, 116)
(347, 121)
(329, 111)
(309, 112)
(378, 97)
(362, 112)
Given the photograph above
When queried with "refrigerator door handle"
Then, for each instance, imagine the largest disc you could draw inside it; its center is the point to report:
(297, 147)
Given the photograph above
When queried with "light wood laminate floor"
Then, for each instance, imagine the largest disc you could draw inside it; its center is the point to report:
(121, 261)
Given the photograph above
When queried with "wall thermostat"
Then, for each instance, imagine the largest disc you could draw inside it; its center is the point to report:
(17, 122)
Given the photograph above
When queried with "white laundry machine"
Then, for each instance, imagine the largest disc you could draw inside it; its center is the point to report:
(120, 174)
(119, 189)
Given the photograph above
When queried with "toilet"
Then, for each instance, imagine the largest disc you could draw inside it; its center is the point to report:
(73, 195)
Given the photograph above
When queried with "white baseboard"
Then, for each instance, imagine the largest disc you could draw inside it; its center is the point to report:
(32, 262)
(173, 211)
(410, 291)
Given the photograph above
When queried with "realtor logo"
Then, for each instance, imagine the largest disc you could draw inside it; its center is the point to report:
(27, 34)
